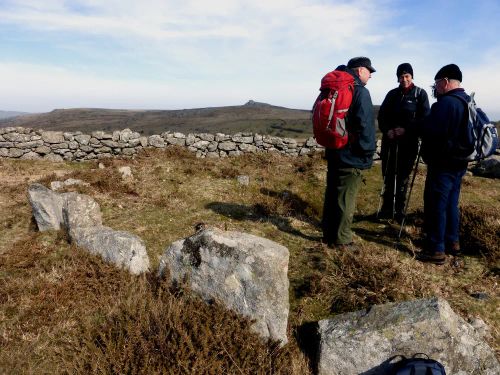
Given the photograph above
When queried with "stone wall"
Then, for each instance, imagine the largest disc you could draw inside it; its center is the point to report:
(26, 143)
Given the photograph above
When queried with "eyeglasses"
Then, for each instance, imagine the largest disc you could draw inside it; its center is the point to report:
(436, 82)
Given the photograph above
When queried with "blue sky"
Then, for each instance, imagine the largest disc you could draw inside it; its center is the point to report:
(165, 54)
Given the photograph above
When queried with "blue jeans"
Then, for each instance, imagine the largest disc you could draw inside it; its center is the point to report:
(441, 213)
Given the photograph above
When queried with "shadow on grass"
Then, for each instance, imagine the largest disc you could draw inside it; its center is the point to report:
(314, 262)
(308, 339)
(297, 207)
(257, 212)
(388, 236)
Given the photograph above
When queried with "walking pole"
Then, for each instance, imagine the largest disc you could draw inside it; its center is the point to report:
(407, 202)
(395, 182)
(382, 191)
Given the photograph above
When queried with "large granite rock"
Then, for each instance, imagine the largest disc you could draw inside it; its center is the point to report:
(246, 273)
(80, 211)
(120, 248)
(46, 206)
(82, 218)
(361, 342)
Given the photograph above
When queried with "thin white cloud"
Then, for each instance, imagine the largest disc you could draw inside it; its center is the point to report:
(158, 20)
(171, 54)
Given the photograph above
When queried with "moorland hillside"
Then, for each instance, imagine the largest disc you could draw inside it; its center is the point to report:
(251, 117)
(10, 114)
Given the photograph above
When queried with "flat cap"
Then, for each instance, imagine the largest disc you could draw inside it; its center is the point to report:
(357, 62)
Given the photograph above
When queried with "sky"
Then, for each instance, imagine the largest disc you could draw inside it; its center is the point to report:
(153, 54)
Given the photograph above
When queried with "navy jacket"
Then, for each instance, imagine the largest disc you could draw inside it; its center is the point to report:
(361, 128)
(440, 131)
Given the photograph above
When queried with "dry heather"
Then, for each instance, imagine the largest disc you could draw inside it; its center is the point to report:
(64, 311)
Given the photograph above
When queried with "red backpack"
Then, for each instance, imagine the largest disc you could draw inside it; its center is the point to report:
(330, 109)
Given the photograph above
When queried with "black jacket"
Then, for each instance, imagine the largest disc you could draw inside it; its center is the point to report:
(441, 130)
(399, 110)
(361, 128)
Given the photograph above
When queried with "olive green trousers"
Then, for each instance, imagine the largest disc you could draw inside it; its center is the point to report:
(342, 186)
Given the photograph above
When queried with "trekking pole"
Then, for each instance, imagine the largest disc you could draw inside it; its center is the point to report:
(382, 191)
(407, 201)
(395, 182)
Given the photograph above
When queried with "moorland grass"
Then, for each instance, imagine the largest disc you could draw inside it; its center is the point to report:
(65, 311)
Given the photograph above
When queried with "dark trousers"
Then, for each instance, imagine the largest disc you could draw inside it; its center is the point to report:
(398, 159)
(342, 185)
(441, 212)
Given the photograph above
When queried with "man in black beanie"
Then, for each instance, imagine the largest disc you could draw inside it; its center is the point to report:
(440, 133)
(402, 109)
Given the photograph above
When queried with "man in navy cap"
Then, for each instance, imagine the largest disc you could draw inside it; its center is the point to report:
(440, 133)
(345, 165)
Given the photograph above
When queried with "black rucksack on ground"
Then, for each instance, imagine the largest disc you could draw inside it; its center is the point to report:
(418, 366)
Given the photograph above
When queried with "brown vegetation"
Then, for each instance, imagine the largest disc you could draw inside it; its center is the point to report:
(65, 311)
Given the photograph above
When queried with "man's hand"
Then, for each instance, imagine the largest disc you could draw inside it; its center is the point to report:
(399, 132)
(395, 133)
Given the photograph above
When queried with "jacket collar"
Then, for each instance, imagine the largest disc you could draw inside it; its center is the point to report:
(344, 68)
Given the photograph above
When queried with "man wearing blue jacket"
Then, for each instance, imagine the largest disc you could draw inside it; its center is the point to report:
(345, 165)
(440, 136)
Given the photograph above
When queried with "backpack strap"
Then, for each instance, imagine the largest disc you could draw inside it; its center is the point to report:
(330, 115)
(417, 95)
(467, 106)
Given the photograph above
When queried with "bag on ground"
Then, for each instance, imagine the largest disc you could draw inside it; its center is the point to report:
(478, 138)
(418, 366)
(330, 109)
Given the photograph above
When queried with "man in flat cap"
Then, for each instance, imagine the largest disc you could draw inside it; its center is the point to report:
(402, 109)
(440, 134)
(345, 165)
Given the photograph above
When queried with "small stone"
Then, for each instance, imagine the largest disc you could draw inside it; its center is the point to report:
(126, 172)
(480, 296)
(243, 180)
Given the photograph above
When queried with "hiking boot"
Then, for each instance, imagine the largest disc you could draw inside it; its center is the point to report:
(351, 246)
(384, 215)
(453, 249)
(399, 217)
(328, 242)
(435, 257)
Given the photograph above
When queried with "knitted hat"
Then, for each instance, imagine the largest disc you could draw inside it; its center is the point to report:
(450, 71)
(357, 62)
(403, 69)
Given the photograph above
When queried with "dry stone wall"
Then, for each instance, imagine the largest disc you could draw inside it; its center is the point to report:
(26, 143)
